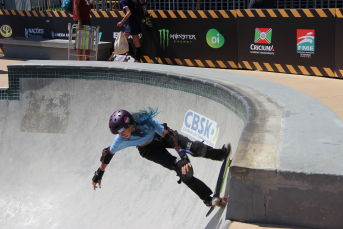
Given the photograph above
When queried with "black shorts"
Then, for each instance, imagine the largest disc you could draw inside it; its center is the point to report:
(156, 151)
(133, 28)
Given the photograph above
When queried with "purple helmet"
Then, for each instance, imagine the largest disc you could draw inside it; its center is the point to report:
(120, 120)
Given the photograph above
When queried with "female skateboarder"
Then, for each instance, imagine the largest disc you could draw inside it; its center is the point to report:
(151, 139)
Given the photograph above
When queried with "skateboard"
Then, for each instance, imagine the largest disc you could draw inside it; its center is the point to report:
(121, 58)
(220, 182)
(128, 58)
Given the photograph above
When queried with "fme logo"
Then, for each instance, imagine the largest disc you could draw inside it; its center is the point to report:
(201, 128)
(305, 39)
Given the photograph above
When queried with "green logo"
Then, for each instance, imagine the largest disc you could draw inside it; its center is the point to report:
(164, 38)
(214, 39)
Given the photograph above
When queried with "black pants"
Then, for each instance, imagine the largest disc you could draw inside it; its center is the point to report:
(157, 152)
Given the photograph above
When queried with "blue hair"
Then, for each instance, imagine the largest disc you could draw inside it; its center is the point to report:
(142, 118)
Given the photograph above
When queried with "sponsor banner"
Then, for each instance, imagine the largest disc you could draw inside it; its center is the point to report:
(339, 44)
(303, 41)
(45, 27)
(9, 25)
(194, 40)
(200, 128)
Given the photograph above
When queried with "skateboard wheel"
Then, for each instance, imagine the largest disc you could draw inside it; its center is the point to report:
(224, 199)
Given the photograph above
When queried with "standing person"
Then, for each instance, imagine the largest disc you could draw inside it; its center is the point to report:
(81, 16)
(132, 28)
(261, 4)
(152, 140)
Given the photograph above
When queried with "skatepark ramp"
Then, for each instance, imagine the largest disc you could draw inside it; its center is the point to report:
(54, 125)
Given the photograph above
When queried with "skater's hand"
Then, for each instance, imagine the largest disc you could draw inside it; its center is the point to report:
(184, 168)
(95, 184)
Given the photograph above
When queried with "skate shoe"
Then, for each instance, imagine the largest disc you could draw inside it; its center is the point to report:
(211, 201)
(227, 149)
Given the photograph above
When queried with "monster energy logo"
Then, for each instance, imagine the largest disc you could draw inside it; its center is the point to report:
(164, 38)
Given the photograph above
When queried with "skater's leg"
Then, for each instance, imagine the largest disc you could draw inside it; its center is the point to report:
(199, 149)
(196, 185)
(157, 153)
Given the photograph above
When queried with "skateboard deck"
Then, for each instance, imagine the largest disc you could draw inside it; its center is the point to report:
(220, 182)
(122, 58)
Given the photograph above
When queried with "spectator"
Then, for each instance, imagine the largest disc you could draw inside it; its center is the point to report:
(261, 4)
(131, 28)
(81, 16)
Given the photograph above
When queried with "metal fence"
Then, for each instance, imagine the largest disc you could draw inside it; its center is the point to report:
(42, 5)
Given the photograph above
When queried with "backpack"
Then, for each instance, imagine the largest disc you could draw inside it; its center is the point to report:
(67, 6)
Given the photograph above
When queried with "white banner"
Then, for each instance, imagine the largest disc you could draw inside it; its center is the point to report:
(201, 128)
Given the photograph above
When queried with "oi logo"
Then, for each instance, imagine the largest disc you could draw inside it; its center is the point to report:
(164, 38)
(214, 39)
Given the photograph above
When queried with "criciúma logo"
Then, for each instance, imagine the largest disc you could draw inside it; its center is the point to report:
(262, 42)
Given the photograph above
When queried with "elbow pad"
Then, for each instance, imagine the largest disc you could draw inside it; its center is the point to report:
(172, 138)
(106, 156)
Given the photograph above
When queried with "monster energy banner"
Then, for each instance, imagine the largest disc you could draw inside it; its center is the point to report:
(195, 38)
(298, 41)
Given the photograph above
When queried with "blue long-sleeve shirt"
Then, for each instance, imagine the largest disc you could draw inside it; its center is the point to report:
(120, 143)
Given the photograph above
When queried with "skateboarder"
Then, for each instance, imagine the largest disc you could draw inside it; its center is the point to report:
(151, 139)
(132, 27)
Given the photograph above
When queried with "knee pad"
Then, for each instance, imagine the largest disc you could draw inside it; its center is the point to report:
(188, 177)
(198, 148)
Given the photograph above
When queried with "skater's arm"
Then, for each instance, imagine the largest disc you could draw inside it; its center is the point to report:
(127, 15)
(177, 147)
(106, 157)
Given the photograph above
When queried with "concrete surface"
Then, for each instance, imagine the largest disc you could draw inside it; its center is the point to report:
(300, 170)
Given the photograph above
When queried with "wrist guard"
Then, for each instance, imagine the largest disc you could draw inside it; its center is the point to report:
(98, 175)
(184, 158)
(106, 156)
(172, 138)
